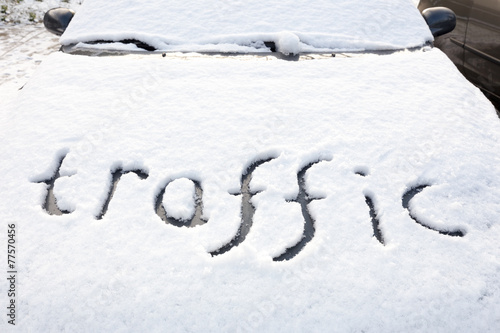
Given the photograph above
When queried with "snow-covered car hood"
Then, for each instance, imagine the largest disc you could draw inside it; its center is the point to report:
(242, 26)
(396, 159)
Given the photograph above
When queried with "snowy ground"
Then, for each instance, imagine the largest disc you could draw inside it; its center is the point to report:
(23, 47)
(24, 42)
(31, 11)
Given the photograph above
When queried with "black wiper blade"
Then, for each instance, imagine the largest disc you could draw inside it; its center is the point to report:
(136, 42)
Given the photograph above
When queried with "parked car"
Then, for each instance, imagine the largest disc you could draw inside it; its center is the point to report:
(248, 166)
(474, 45)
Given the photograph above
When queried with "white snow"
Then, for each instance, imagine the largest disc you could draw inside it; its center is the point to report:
(376, 126)
(23, 46)
(31, 11)
(294, 26)
(401, 120)
(179, 199)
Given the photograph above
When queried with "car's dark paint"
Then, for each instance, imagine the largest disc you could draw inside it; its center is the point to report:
(482, 47)
(474, 45)
(56, 20)
(441, 20)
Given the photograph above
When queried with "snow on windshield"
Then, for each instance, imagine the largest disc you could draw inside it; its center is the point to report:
(394, 161)
(224, 25)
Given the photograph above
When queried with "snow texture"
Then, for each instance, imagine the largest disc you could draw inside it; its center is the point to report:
(179, 198)
(364, 126)
(31, 11)
(24, 46)
(238, 26)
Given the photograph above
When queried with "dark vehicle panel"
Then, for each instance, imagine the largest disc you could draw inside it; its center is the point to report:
(482, 47)
(452, 43)
(474, 45)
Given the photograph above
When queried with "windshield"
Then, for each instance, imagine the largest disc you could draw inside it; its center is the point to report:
(289, 26)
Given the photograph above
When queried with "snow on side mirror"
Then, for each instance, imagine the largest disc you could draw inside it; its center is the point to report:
(56, 20)
(440, 20)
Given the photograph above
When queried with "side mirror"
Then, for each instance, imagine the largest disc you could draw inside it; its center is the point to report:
(440, 20)
(56, 20)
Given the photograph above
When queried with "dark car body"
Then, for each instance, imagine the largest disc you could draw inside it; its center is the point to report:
(474, 45)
